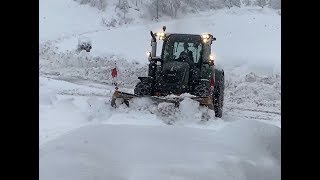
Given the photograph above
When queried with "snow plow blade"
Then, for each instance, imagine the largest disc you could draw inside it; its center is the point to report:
(206, 101)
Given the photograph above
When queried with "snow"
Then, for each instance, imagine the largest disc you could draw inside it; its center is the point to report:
(66, 18)
(243, 150)
(261, 50)
(83, 137)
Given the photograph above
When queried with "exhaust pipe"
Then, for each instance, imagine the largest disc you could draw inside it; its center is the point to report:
(153, 45)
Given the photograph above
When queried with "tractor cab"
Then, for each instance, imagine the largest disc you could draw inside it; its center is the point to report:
(191, 48)
(183, 48)
(185, 60)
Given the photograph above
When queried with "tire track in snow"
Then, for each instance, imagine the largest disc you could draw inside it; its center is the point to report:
(254, 110)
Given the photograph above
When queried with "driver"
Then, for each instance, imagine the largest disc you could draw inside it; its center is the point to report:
(186, 53)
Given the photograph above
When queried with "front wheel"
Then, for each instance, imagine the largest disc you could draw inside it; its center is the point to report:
(142, 89)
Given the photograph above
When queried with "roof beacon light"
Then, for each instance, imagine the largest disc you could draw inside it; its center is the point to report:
(205, 38)
(161, 35)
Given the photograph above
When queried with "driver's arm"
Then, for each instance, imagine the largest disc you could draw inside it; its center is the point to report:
(180, 58)
(190, 54)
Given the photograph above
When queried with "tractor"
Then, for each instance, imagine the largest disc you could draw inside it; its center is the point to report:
(185, 65)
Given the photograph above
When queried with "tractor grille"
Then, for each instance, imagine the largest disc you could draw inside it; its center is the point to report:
(174, 78)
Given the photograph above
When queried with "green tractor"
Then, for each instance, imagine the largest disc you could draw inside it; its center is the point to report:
(186, 65)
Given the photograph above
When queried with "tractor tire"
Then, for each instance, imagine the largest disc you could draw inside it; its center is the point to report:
(143, 89)
(218, 94)
(202, 90)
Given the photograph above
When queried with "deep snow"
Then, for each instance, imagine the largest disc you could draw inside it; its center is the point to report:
(243, 150)
(82, 137)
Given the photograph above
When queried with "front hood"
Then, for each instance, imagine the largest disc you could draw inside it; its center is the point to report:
(174, 77)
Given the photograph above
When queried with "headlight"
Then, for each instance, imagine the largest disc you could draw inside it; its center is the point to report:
(205, 36)
(211, 57)
(161, 35)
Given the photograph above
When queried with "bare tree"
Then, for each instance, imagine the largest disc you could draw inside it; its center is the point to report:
(236, 3)
(100, 4)
(176, 5)
(262, 3)
(124, 7)
(227, 3)
(246, 2)
(157, 9)
(275, 4)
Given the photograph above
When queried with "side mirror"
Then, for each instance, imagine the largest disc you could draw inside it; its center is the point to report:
(214, 39)
(153, 36)
(149, 56)
(155, 59)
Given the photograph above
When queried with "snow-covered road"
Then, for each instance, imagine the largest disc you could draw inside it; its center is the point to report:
(69, 104)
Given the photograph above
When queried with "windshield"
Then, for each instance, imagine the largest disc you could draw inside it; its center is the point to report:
(177, 48)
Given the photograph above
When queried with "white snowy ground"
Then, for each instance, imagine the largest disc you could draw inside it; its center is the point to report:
(82, 137)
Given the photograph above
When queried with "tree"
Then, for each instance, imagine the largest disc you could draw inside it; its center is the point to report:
(246, 2)
(124, 7)
(176, 4)
(262, 3)
(167, 7)
(100, 4)
(157, 9)
(227, 3)
(236, 3)
(275, 4)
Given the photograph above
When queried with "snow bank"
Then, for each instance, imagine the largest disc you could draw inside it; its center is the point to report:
(65, 18)
(74, 65)
(243, 150)
(244, 36)
(65, 106)
(253, 91)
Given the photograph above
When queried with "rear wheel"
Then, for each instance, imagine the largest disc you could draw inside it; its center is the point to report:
(218, 95)
(218, 103)
(142, 89)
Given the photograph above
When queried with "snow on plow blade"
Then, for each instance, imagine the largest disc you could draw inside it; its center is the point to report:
(206, 101)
